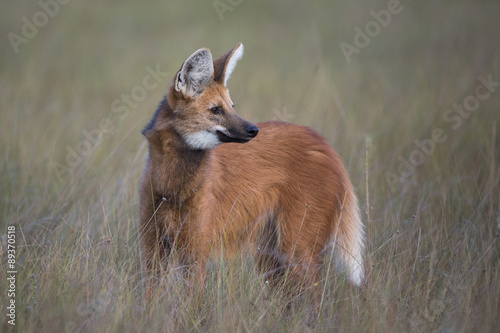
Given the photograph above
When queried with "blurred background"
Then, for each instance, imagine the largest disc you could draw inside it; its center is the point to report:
(77, 87)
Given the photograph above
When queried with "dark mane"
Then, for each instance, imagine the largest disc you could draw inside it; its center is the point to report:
(152, 122)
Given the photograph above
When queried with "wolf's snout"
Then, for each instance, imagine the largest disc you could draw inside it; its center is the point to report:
(252, 130)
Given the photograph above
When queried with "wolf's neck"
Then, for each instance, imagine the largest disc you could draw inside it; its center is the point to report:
(176, 171)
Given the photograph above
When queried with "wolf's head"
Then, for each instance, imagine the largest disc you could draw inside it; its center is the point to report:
(202, 110)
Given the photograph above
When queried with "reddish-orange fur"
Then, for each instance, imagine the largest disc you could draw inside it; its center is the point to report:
(286, 192)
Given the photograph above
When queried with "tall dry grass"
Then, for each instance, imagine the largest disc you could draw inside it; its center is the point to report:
(433, 252)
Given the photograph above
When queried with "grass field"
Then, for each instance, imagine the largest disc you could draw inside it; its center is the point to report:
(410, 111)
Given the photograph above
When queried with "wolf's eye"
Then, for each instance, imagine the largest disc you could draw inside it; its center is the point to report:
(216, 110)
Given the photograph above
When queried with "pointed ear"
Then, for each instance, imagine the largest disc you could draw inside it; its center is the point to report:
(196, 73)
(225, 64)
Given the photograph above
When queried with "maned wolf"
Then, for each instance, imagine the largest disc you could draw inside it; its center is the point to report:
(285, 191)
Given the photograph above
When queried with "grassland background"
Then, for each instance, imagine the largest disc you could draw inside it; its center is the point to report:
(432, 252)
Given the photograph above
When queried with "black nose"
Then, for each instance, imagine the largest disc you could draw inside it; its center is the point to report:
(252, 130)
